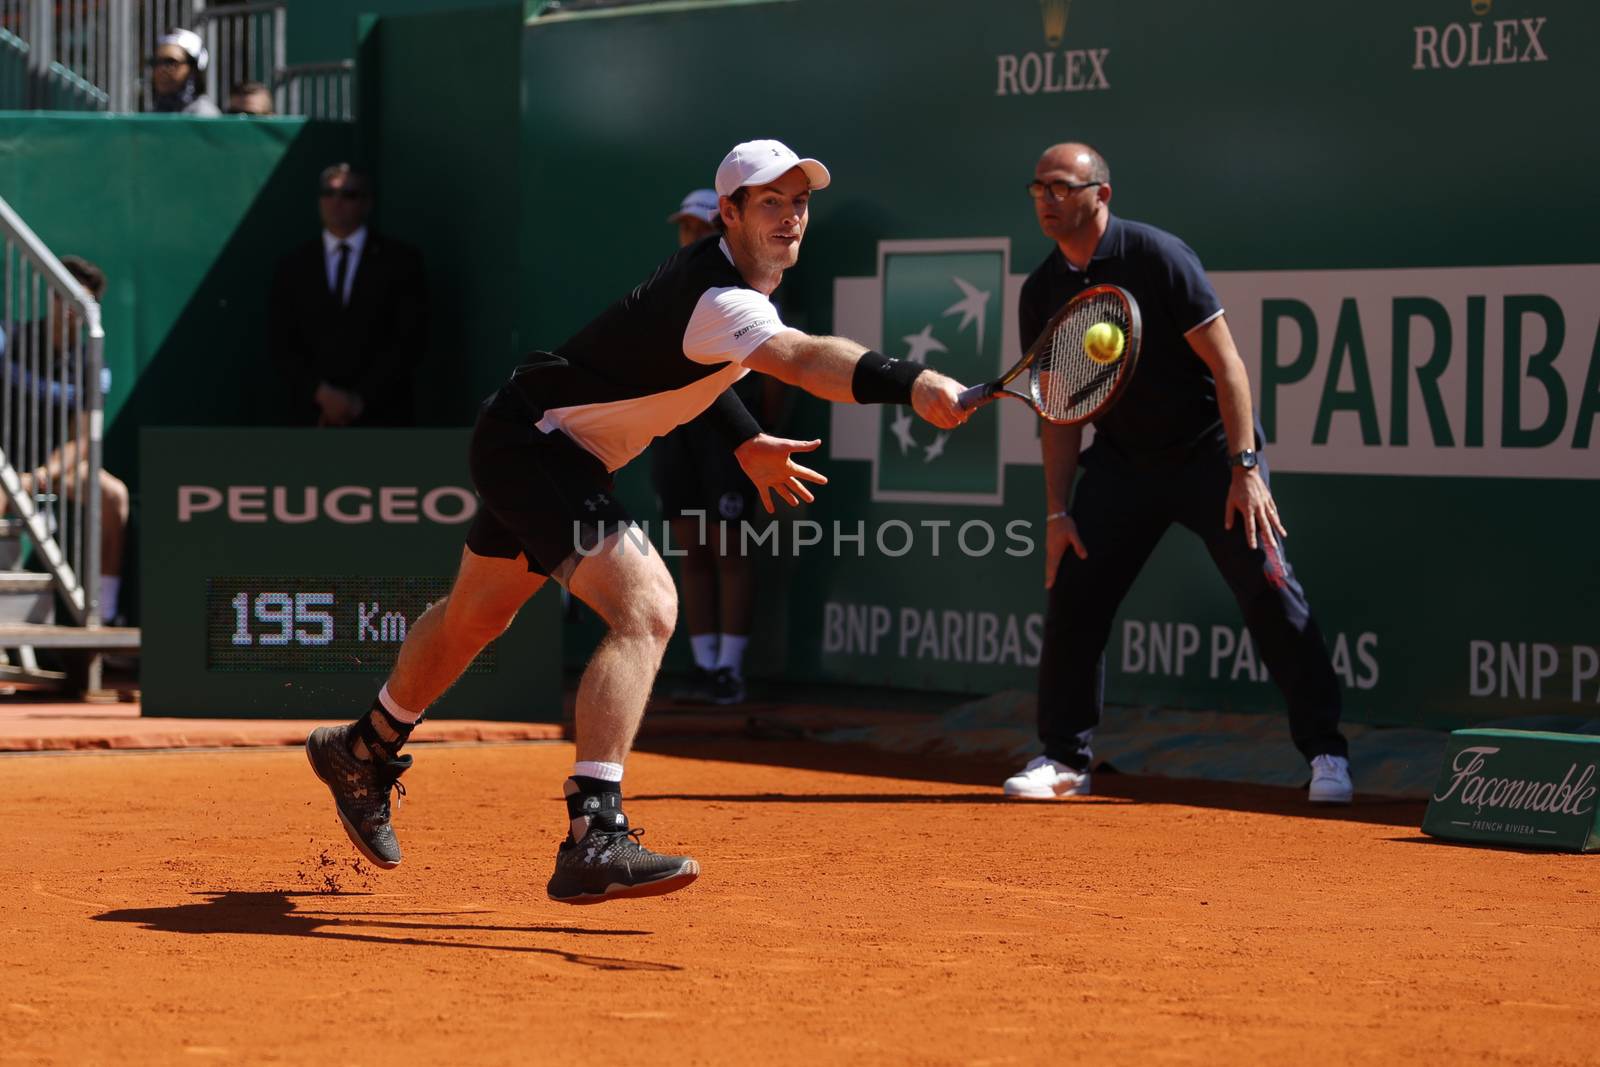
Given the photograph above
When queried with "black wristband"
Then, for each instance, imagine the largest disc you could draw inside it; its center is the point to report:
(881, 380)
(731, 419)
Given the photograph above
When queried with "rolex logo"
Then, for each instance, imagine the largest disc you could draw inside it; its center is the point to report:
(1479, 44)
(1072, 70)
(1055, 18)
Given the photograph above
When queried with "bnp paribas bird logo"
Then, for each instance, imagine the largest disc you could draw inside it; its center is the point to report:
(1055, 14)
(943, 307)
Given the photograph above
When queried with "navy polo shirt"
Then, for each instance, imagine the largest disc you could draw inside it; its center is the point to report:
(53, 384)
(1170, 405)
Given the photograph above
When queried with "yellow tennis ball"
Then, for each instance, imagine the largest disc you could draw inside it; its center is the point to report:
(1103, 342)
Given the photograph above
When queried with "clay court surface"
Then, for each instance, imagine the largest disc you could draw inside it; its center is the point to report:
(205, 907)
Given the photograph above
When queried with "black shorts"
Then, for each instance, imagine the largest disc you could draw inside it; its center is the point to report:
(540, 494)
(693, 469)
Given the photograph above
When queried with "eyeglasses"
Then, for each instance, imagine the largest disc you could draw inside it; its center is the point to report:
(345, 193)
(1058, 190)
(167, 62)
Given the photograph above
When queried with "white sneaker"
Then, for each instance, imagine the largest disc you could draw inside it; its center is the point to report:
(1330, 780)
(1045, 779)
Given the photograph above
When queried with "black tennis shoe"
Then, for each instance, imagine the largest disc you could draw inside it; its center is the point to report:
(360, 791)
(611, 864)
(727, 687)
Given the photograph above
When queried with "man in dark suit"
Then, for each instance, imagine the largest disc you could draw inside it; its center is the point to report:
(348, 319)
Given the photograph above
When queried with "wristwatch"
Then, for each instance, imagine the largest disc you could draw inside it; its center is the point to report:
(1246, 459)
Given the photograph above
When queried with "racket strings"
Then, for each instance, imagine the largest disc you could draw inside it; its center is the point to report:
(1067, 383)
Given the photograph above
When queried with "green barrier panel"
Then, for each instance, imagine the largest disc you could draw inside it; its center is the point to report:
(1518, 787)
(188, 218)
(283, 569)
(448, 182)
(319, 31)
(1430, 378)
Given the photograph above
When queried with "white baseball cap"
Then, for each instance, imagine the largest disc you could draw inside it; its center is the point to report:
(700, 204)
(759, 162)
(190, 42)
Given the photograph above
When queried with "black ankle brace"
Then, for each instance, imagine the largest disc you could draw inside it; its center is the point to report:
(600, 802)
(380, 747)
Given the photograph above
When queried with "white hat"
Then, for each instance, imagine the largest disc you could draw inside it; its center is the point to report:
(760, 162)
(191, 44)
(700, 204)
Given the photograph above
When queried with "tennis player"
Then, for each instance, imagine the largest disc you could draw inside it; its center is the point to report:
(542, 458)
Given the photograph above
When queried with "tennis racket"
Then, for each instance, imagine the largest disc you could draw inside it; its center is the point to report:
(1064, 383)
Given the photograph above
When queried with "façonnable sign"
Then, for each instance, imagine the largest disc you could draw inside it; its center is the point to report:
(1518, 787)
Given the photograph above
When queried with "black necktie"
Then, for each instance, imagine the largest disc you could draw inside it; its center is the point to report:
(340, 272)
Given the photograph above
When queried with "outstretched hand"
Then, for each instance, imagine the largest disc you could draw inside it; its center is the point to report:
(769, 462)
(934, 397)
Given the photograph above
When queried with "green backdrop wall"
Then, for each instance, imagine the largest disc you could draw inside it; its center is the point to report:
(324, 30)
(188, 218)
(1354, 177)
(448, 161)
(1350, 177)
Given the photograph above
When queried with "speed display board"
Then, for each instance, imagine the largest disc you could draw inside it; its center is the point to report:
(337, 625)
(283, 570)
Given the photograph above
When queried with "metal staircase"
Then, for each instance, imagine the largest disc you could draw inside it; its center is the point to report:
(51, 427)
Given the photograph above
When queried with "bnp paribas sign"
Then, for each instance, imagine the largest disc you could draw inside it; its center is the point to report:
(1518, 787)
(1489, 372)
(1477, 372)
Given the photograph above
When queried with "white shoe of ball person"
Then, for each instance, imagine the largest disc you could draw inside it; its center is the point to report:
(1045, 779)
(1330, 780)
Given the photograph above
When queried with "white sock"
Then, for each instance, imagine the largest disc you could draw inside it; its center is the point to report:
(731, 655)
(606, 772)
(110, 586)
(392, 706)
(705, 650)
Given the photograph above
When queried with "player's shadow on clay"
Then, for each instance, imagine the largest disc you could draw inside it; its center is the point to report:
(277, 914)
(992, 797)
(1111, 789)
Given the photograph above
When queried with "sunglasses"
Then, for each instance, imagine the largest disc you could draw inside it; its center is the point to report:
(345, 194)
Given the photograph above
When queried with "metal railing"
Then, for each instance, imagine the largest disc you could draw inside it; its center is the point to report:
(94, 55)
(60, 55)
(316, 90)
(246, 44)
(51, 414)
(557, 7)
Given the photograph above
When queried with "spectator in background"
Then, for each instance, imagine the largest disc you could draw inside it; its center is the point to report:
(348, 316)
(178, 75)
(250, 98)
(699, 485)
(66, 467)
(696, 217)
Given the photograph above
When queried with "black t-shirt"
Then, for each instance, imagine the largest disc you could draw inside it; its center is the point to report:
(1170, 404)
(653, 360)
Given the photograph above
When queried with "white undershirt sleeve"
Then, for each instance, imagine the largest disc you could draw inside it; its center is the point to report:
(728, 324)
